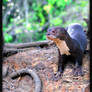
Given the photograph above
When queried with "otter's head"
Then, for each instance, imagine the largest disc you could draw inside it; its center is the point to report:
(56, 33)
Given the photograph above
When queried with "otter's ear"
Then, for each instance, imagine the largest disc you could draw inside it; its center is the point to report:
(66, 28)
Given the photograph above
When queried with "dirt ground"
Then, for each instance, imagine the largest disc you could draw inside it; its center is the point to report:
(44, 61)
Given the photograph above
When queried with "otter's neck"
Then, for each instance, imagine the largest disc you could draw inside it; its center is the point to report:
(64, 45)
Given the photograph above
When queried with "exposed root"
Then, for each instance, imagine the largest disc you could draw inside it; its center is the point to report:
(33, 74)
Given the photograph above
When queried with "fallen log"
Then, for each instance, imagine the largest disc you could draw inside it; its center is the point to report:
(10, 49)
(27, 45)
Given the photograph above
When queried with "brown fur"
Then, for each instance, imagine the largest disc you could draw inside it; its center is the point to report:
(61, 45)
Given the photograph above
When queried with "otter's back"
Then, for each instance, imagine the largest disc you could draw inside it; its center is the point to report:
(76, 32)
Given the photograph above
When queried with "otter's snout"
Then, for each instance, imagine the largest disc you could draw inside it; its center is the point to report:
(47, 34)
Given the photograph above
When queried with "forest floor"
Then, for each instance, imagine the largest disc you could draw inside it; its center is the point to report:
(44, 61)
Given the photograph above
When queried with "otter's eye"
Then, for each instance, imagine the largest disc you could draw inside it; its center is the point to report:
(53, 31)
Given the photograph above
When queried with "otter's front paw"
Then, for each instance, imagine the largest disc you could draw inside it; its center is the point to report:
(56, 76)
(78, 71)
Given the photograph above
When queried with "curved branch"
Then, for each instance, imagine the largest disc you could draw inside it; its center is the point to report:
(33, 74)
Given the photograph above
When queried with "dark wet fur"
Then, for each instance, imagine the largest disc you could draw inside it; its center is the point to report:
(76, 41)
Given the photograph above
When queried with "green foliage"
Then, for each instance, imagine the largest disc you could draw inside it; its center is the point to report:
(4, 29)
(40, 13)
(4, 2)
(18, 31)
(84, 24)
(7, 38)
(59, 4)
(83, 3)
(39, 36)
(56, 21)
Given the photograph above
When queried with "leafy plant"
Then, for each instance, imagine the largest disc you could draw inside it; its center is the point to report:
(29, 23)
(7, 38)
